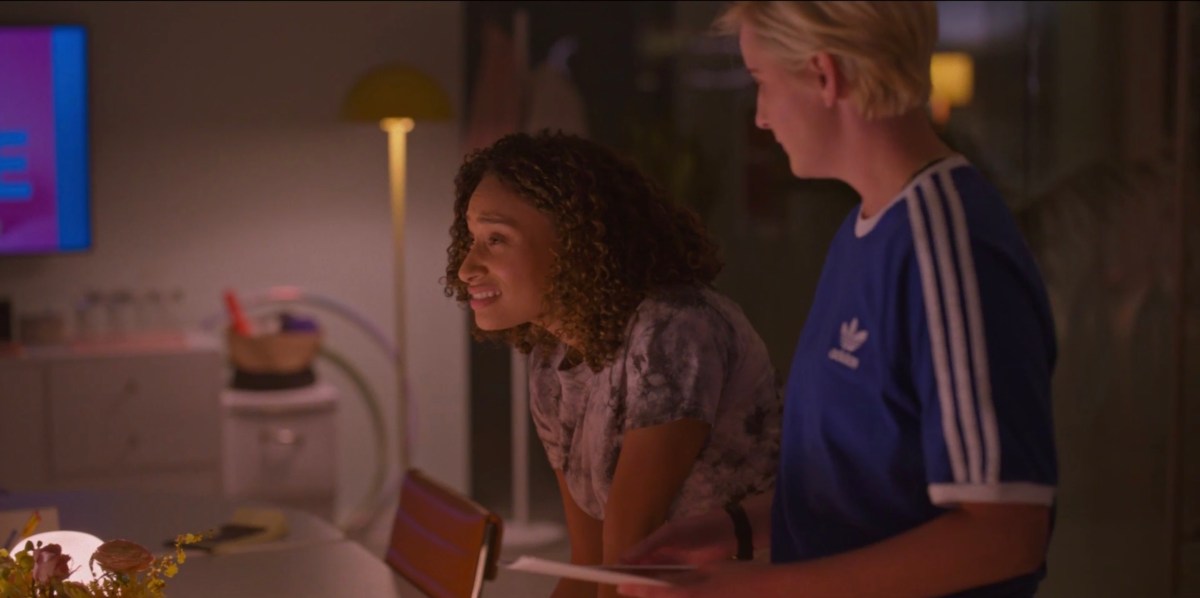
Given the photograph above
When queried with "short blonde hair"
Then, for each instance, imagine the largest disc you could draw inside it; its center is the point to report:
(882, 48)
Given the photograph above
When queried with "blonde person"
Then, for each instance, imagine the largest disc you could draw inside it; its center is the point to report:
(652, 394)
(918, 454)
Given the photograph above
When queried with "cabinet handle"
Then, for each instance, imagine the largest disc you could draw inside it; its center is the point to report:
(281, 436)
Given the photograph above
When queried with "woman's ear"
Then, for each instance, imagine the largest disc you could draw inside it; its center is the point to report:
(829, 77)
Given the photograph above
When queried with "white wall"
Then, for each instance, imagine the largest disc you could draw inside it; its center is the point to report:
(219, 161)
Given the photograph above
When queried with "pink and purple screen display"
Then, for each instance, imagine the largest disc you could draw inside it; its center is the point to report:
(44, 190)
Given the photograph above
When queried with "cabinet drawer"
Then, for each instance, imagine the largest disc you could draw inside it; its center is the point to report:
(117, 414)
(26, 465)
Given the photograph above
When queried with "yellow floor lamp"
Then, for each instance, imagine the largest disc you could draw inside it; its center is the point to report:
(397, 96)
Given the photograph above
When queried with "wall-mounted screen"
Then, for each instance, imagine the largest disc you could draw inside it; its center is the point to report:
(45, 193)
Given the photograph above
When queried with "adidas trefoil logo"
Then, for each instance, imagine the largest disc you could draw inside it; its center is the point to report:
(851, 340)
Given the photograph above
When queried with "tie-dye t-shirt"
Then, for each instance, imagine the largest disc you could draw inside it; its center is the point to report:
(690, 353)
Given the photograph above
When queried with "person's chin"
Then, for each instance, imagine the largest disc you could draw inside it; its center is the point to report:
(808, 173)
(798, 170)
(493, 324)
(486, 326)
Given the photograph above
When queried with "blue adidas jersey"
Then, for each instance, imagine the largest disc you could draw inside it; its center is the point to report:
(922, 377)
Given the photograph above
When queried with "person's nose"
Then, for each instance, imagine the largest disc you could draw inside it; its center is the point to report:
(471, 268)
(760, 117)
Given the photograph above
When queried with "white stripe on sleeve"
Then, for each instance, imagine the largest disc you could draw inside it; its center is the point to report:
(952, 304)
(933, 312)
(983, 380)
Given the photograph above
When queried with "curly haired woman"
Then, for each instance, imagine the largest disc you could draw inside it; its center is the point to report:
(652, 394)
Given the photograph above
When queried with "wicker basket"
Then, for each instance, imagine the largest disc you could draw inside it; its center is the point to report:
(280, 353)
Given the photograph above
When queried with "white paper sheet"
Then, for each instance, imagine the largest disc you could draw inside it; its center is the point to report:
(613, 574)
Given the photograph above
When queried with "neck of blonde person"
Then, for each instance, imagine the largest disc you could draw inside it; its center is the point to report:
(880, 157)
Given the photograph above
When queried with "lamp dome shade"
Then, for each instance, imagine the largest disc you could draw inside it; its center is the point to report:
(396, 91)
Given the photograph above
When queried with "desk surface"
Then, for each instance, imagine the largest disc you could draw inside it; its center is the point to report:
(150, 519)
(330, 570)
(313, 561)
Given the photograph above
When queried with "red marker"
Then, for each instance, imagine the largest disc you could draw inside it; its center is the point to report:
(241, 326)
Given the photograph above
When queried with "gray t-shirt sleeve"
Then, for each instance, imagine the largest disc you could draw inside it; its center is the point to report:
(676, 365)
(545, 400)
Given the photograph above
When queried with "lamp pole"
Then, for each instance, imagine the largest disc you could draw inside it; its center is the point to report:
(397, 130)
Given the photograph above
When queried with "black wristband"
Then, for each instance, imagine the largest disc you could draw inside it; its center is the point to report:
(741, 530)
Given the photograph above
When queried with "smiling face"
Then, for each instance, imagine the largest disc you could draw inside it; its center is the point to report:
(791, 105)
(507, 269)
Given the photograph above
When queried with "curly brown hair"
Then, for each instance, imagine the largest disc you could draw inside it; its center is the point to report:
(619, 236)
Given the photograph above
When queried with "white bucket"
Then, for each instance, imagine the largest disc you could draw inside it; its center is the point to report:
(280, 446)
